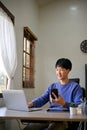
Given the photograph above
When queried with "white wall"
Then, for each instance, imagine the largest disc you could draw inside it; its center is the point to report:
(63, 26)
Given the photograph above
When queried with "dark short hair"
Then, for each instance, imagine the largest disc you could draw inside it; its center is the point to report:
(64, 63)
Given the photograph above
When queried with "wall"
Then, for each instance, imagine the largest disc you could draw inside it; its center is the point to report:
(63, 26)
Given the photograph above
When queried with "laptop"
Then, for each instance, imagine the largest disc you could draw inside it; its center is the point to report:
(16, 100)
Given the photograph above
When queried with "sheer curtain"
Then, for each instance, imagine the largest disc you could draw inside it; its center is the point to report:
(8, 53)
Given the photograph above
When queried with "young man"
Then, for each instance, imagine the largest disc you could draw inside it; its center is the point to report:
(68, 92)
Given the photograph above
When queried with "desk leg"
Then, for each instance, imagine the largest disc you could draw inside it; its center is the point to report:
(80, 126)
(85, 126)
(2, 124)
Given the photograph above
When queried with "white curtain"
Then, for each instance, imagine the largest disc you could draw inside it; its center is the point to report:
(8, 53)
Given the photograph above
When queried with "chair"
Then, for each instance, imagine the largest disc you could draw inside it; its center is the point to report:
(84, 92)
(77, 80)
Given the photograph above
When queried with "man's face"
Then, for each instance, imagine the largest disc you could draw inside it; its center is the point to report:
(62, 73)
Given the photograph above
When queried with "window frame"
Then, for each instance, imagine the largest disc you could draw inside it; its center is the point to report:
(7, 12)
(28, 71)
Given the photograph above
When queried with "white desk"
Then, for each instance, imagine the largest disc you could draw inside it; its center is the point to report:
(41, 115)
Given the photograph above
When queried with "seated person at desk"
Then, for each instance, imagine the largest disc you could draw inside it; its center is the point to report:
(68, 91)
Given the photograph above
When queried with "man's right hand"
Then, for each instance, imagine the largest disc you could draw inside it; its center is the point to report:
(30, 104)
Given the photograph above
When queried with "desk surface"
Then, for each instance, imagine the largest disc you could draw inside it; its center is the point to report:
(41, 115)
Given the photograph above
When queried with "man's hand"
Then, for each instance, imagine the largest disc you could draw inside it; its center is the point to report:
(58, 100)
(30, 104)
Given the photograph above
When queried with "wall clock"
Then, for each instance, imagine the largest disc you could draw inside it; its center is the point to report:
(83, 46)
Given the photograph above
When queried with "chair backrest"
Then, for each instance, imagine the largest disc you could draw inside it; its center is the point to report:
(83, 92)
(78, 81)
(75, 80)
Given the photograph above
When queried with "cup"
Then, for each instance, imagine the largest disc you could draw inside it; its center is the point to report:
(73, 110)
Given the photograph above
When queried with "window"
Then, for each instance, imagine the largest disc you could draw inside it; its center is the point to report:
(3, 78)
(28, 58)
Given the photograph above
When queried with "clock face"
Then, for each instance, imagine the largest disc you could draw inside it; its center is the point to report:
(83, 46)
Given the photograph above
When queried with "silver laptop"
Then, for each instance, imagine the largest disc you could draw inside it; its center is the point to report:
(16, 100)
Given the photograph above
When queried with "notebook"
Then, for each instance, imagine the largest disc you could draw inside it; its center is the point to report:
(16, 100)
